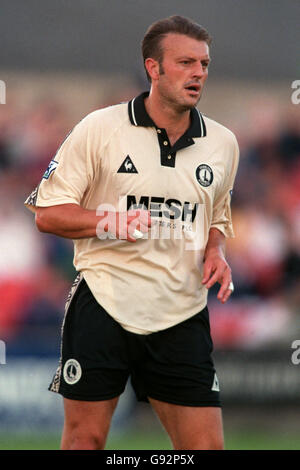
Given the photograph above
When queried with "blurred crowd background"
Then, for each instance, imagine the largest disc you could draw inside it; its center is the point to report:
(36, 269)
(43, 104)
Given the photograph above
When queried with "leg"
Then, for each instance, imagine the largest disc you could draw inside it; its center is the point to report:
(87, 424)
(96, 345)
(191, 427)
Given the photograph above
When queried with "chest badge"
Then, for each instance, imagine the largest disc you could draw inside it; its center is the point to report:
(204, 175)
(127, 166)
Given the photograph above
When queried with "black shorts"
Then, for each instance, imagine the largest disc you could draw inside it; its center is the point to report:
(98, 356)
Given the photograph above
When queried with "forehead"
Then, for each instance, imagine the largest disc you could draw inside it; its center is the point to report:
(176, 45)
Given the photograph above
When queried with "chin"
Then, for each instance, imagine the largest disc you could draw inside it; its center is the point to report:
(188, 105)
(183, 103)
(191, 102)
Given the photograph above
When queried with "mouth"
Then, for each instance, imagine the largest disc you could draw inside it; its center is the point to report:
(193, 89)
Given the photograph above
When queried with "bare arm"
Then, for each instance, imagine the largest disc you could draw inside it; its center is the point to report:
(216, 268)
(72, 221)
(216, 243)
(67, 220)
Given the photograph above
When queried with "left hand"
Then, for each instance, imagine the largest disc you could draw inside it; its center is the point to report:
(215, 270)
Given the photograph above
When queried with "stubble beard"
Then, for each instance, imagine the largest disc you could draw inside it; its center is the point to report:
(172, 100)
(175, 101)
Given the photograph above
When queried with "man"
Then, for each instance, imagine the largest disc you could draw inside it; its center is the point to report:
(160, 175)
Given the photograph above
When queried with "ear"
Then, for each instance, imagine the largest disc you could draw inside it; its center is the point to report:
(152, 67)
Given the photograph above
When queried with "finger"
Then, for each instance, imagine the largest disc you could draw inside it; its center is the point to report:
(215, 277)
(134, 231)
(139, 223)
(145, 218)
(141, 216)
(226, 296)
(124, 232)
(207, 272)
(144, 221)
(132, 234)
(137, 234)
(226, 286)
(127, 227)
(131, 238)
(143, 227)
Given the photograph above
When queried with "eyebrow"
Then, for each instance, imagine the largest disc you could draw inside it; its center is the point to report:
(206, 59)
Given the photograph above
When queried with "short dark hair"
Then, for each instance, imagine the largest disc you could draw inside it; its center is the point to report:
(151, 44)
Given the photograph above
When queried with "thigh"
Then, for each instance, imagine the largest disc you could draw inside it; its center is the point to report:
(93, 365)
(179, 368)
(191, 427)
(87, 423)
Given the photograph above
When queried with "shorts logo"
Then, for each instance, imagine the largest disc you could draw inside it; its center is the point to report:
(215, 386)
(204, 175)
(72, 371)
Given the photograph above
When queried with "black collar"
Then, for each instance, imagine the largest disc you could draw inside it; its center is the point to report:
(139, 117)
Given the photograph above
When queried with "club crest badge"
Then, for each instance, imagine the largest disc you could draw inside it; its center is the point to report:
(72, 371)
(204, 175)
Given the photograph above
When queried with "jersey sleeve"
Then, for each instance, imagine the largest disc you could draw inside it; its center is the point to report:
(69, 172)
(222, 219)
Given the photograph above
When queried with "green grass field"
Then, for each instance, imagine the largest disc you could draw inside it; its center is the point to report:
(156, 441)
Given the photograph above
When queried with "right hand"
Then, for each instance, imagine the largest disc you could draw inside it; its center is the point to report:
(121, 225)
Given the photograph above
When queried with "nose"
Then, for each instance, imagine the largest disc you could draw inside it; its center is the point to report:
(199, 71)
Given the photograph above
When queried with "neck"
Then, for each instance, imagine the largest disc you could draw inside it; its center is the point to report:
(166, 116)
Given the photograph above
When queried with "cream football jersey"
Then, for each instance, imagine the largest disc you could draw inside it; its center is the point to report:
(117, 158)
